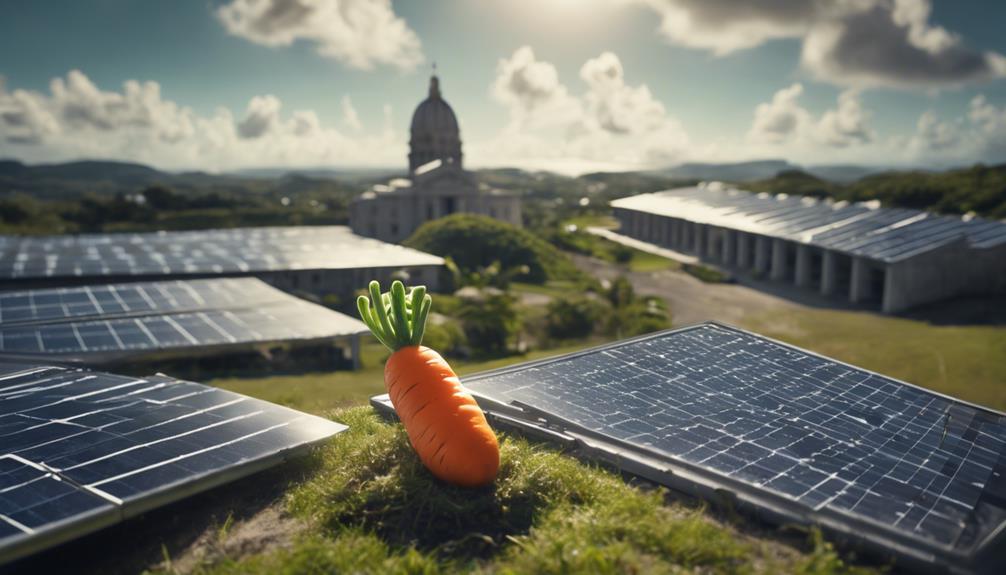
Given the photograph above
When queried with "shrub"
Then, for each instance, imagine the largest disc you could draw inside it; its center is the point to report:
(573, 317)
(474, 242)
(489, 323)
(447, 338)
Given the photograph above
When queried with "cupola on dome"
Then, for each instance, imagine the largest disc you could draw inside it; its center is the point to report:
(434, 131)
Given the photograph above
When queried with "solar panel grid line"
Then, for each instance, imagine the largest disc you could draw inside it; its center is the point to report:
(946, 473)
(119, 446)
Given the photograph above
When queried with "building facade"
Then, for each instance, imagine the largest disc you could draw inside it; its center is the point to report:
(437, 185)
(894, 258)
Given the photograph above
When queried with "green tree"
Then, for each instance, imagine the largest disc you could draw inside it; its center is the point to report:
(474, 241)
(490, 322)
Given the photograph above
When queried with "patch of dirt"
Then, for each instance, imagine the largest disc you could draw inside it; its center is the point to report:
(270, 528)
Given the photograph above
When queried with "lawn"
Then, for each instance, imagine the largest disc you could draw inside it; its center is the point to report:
(963, 361)
(367, 505)
(323, 391)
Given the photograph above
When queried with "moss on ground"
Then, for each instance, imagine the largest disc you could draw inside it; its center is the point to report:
(370, 507)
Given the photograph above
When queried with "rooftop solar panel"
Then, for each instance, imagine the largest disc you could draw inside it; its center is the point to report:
(80, 450)
(204, 252)
(97, 324)
(885, 234)
(797, 436)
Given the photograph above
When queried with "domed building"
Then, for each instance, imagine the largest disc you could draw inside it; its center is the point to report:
(437, 185)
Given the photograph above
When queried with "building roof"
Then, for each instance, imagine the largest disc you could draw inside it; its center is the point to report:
(97, 324)
(223, 251)
(860, 229)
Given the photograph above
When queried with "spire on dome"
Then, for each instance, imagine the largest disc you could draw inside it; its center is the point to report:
(434, 83)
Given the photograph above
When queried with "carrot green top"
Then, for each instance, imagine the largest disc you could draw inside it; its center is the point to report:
(397, 320)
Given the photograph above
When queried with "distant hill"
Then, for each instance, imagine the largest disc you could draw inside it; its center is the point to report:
(979, 189)
(734, 172)
(74, 179)
(762, 169)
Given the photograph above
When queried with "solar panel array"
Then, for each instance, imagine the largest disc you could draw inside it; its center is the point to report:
(80, 450)
(97, 323)
(885, 234)
(226, 251)
(764, 418)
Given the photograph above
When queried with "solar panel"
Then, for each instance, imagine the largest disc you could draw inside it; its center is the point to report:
(799, 436)
(80, 450)
(885, 234)
(97, 324)
(240, 251)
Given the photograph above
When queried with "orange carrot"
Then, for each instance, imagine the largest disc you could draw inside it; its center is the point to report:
(445, 426)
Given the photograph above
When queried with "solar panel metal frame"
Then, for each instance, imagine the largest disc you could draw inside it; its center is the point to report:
(264, 300)
(910, 551)
(109, 513)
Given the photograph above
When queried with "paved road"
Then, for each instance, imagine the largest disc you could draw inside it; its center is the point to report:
(691, 300)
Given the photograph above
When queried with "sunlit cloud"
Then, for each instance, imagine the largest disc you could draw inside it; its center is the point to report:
(358, 33)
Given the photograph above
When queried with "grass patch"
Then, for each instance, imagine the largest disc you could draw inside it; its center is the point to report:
(641, 261)
(371, 507)
(962, 361)
(704, 273)
(323, 391)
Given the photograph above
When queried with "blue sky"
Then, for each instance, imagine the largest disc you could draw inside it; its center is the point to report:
(560, 84)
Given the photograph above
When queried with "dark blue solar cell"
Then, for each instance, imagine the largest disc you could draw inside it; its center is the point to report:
(768, 418)
(114, 443)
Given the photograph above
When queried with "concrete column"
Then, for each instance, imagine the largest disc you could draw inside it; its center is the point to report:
(675, 233)
(700, 240)
(666, 235)
(354, 343)
(860, 288)
(743, 251)
(762, 254)
(728, 246)
(803, 265)
(894, 292)
(711, 247)
(779, 264)
(829, 272)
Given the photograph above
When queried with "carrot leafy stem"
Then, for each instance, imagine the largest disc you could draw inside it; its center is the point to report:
(397, 317)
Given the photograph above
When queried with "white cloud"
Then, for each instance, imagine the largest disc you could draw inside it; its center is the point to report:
(530, 88)
(261, 118)
(611, 124)
(349, 115)
(781, 119)
(725, 26)
(848, 42)
(847, 125)
(358, 33)
(76, 119)
(784, 120)
(977, 136)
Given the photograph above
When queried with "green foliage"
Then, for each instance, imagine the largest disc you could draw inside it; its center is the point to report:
(704, 273)
(979, 189)
(490, 322)
(573, 317)
(370, 506)
(447, 338)
(473, 241)
(631, 315)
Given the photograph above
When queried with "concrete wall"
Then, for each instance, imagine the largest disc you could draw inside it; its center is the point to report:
(945, 272)
(949, 271)
(394, 216)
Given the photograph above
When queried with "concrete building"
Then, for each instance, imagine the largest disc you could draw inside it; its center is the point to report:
(895, 258)
(437, 185)
(321, 260)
